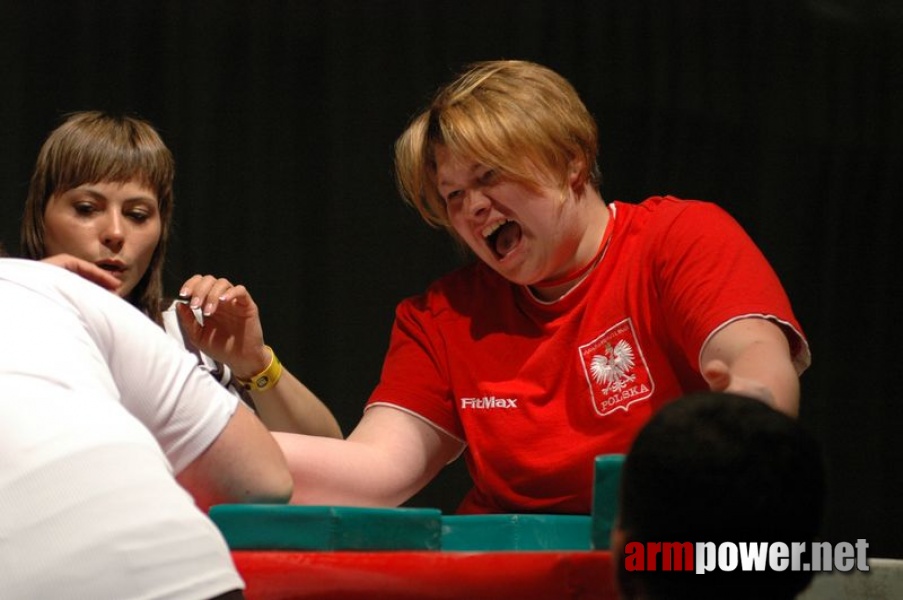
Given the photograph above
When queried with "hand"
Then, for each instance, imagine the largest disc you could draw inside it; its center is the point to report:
(232, 332)
(719, 377)
(86, 269)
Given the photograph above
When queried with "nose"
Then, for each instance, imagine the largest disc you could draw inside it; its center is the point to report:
(113, 234)
(477, 203)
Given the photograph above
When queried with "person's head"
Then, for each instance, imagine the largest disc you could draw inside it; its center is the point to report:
(102, 190)
(717, 467)
(501, 131)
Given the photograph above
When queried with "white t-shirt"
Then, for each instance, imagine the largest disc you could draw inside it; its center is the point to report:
(98, 410)
(219, 371)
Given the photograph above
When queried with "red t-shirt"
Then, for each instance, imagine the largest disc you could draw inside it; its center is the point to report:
(537, 390)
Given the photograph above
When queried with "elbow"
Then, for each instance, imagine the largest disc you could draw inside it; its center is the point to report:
(286, 489)
(283, 485)
(278, 489)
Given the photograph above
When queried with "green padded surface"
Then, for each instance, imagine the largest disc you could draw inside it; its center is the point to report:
(515, 532)
(282, 527)
(606, 483)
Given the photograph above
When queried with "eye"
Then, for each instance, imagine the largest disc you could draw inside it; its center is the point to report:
(489, 177)
(139, 216)
(453, 196)
(84, 208)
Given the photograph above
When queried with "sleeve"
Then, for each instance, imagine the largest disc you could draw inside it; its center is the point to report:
(159, 382)
(219, 371)
(414, 375)
(711, 273)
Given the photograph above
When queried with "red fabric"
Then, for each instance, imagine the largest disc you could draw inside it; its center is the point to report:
(426, 575)
(524, 383)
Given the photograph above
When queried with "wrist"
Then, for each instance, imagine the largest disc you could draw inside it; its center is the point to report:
(250, 365)
(264, 379)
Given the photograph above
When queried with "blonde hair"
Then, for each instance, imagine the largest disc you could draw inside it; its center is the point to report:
(93, 147)
(519, 118)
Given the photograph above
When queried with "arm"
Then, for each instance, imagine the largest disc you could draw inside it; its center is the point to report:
(218, 449)
(751, 356)
(232, 334)
(389, 456)
(291, 407)
(243, 464)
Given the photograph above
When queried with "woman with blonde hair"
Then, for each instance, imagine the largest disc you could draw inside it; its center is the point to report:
(576, 322)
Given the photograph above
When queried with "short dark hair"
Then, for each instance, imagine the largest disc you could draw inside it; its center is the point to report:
(718, 467)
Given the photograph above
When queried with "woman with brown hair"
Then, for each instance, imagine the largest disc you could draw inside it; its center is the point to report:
(102, 191)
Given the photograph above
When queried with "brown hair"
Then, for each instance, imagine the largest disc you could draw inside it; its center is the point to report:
(92, 147)
(512, 116)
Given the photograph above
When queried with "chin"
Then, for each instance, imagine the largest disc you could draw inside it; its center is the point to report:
(513, 276)
(125, 292)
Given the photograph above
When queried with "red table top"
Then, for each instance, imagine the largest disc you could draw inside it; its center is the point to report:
(424, 575)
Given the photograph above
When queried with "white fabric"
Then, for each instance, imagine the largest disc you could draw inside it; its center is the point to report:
(217, 370)
(98, 409)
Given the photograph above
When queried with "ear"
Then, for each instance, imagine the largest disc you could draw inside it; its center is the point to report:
(577, 174)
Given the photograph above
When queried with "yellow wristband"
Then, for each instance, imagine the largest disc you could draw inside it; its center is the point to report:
(266, 379)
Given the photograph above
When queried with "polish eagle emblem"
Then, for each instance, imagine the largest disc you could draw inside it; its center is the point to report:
(612, 369)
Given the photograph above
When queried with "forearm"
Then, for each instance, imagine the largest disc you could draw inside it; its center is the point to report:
(342, 472)
(291, 407)
(388, 458)
(243, 464)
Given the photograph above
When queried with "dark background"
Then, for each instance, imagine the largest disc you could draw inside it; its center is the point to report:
(282, 116)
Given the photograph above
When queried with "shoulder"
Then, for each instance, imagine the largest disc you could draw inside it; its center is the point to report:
(457, 292)
(665, 209)
(62, 287)
(40, 275)
(667, 218)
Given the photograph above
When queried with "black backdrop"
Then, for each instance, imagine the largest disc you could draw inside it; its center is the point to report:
(282, 115)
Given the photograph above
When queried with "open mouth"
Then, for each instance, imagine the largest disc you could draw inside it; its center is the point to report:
(111, 267)
(502, 237)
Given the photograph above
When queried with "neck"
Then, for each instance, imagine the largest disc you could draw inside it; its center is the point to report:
(555, 288)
